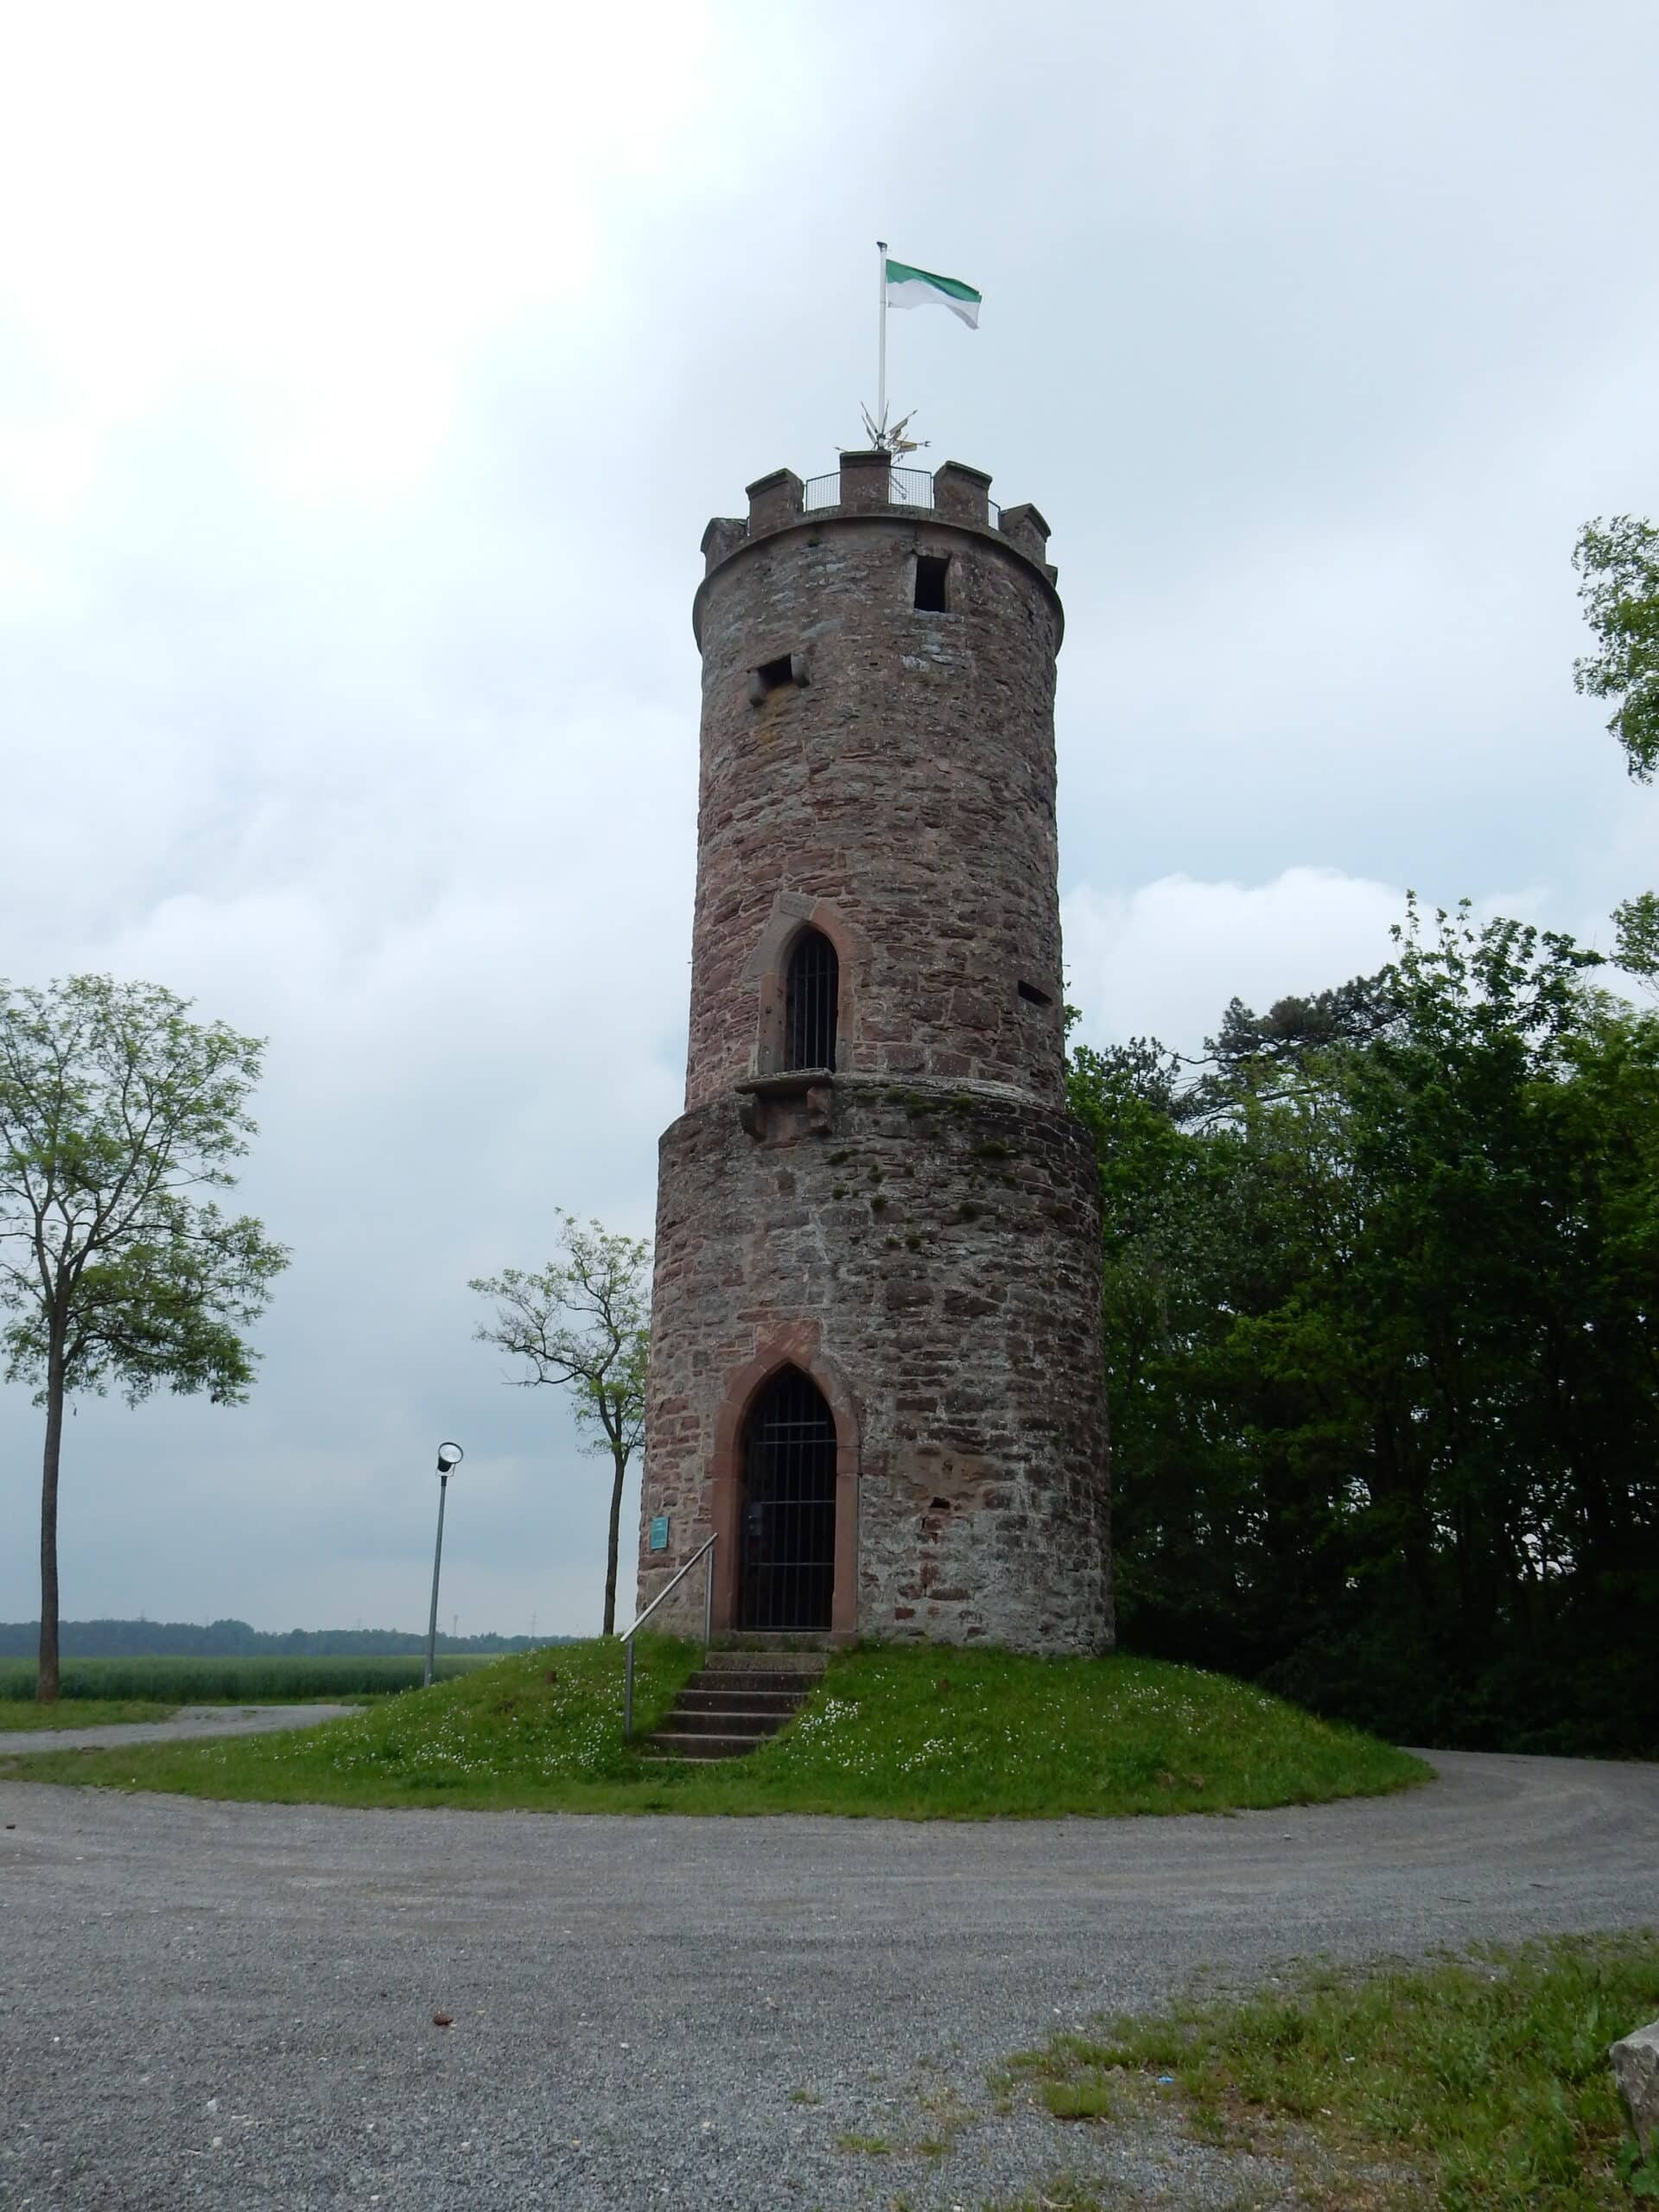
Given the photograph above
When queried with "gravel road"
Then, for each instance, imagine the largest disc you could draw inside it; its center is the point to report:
(232, 2005)
(190, 1720)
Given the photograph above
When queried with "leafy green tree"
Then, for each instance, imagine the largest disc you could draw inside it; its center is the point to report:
(583, 1322)
(1167, 1213)
(1637, 942)
(117, 1114)
(1617, 563)
(1378, 1285)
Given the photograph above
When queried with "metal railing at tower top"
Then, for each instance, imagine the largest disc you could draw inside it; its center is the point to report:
(907, 487)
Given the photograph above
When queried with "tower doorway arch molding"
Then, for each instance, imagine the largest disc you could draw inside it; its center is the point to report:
(797, 1348)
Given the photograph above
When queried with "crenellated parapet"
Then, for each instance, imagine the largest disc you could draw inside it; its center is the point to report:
(868, 482)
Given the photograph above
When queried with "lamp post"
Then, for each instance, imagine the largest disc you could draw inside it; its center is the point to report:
(449, 1458)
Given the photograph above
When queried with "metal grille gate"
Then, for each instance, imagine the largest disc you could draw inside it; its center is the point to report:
(810, 1012)
(788, 1567)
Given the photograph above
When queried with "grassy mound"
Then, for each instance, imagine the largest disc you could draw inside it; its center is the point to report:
(896, 1731)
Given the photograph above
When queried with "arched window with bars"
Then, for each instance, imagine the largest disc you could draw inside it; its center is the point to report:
(810, 998)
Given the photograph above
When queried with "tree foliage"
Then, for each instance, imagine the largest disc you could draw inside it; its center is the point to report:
(119, 1117)
(1636, 943)
(1617, 563)
(1379, 1289)
(583, 1322)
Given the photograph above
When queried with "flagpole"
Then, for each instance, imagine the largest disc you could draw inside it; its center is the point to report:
(881, 342)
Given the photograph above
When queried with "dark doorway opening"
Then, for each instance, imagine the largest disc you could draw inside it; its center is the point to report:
(787, 1571)
(810, 993)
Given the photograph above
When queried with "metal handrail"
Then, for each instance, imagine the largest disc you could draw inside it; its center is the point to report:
(701, 1552)
(906, 487)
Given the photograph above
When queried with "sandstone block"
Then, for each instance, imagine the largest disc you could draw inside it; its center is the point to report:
(1636, 2068)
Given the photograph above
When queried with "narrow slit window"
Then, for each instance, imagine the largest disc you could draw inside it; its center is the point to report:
(814, 987)
(932, 570)
(1030, 993)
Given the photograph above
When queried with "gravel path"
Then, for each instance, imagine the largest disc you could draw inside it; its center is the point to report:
(232, 2005)
(190, 1720)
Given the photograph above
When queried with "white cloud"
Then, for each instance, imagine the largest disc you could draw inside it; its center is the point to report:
(329, 204)
(1163, 960)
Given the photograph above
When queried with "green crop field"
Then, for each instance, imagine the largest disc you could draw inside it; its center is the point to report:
(236, 1681)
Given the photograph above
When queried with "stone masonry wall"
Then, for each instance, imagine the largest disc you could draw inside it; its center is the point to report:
(907, 782)
(938, 1251)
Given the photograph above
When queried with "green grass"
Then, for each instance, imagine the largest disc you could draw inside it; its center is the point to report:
(1480, 2084)
(233, 1680)
(1077, 2097)
(895, 1731)
(79, 1713)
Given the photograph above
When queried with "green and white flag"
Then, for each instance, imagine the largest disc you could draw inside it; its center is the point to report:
(920, 288)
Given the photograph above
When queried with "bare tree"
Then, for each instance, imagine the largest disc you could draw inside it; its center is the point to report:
(583, 1321)
(116, 1113)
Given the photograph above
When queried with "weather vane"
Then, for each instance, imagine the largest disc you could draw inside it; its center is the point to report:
(893, 440)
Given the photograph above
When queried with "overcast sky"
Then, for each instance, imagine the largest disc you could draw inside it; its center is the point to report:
(367, 376)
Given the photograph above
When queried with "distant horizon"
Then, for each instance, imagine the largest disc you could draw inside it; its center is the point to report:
(115, 1636)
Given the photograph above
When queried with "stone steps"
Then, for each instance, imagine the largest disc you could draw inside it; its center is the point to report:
(814, 1642)
(778, 1697)
(736, 1700)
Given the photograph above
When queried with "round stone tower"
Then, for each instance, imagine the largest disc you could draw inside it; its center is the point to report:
(876, 1369)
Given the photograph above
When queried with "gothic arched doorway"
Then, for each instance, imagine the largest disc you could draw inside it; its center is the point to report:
(787, 1564)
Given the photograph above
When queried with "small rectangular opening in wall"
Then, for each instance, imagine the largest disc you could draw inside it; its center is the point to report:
(770, 676)
(1030, 993)
(930, 569)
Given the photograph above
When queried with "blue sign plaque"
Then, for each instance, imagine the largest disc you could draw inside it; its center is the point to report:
(659, 1532)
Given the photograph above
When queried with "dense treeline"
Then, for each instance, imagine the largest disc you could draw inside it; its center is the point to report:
(1380, 1285)
(112, 1639)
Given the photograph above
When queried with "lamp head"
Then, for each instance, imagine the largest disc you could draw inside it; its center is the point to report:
(449, 1458)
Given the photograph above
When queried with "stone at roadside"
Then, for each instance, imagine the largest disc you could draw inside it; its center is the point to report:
(1636, 2066)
